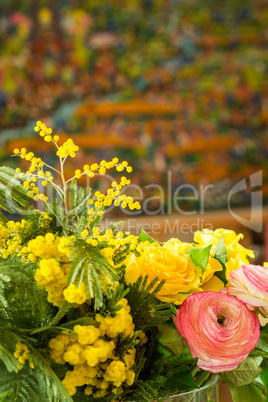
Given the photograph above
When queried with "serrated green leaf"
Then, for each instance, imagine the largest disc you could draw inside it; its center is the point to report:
(145, 237)
(200, 256)
(244, 374)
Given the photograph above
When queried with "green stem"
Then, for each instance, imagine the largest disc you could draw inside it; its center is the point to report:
(61, 313)
(65, 227)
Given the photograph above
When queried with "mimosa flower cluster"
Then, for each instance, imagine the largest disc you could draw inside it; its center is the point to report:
(92, 353)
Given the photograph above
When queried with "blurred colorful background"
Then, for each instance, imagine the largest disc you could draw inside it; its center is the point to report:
(169, 85)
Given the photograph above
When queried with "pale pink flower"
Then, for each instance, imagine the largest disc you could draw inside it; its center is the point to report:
(250, 284)
(219, 329)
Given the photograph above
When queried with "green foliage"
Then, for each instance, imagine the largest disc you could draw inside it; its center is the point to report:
(13, 196)
(7, 347)
(244, 374)
(142, 392)
(37, 225)
(22, 386)
(78, 201)
(112, 304)
(200, 256)
(264, 374)
(145, 237)
(120, 255)
(125, 343)
(247, 393)
(181, 379)
(17, 285)
(261, 349)
(146, 310)
(170, 338)
(220, 254)
(91, 267)
(172, 374)
(39, 383)
(53, 386)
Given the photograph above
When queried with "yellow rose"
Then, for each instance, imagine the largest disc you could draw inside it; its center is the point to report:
(178, 270)
(237, 254)
(212, 266)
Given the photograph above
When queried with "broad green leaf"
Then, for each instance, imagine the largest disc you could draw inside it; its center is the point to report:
(145, 237)
(264, 335)
(171, 339)
(260, 350)
(220, 252)
(222, 275)
(181, 379)
(247, 393)
(200, 256)
(264, 374)
(244, 374)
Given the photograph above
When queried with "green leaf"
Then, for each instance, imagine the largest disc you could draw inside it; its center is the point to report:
(171, 339)
(182, 380)
(247, 393)
(264, 335)
(75, 269)
(146, 310)
(200, 256)
(220, 252)
(145, 237)
(7, 357)
(264, 374)
(9, 189)
(261, 349)
(73, 194)
(20, 386)
(3, 219)
(244, 374)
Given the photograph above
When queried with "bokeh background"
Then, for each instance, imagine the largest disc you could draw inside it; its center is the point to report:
(169, 85)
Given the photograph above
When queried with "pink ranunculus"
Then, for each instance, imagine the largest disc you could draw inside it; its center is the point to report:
(219, 329)
(250, 284)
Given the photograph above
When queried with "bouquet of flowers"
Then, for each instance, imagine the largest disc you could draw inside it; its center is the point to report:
(94, 313)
